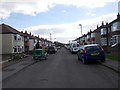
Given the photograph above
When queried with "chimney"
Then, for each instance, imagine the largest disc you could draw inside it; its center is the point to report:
(97, 26)
(30, 33)
(106, 23)
(118, 16)
(102, 23)
(38, 36)
(25, 31)
(90, 30)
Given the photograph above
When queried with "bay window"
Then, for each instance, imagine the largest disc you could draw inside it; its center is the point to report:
(92, 34)
(103, 31)
(103, 41)
(115, 26)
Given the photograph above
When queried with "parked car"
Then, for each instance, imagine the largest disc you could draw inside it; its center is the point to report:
(91, 52)
(115, 48)
(51, 50)
(55, 48)
(58, 47)
(74, 48)
(67, 47)
(116, 45)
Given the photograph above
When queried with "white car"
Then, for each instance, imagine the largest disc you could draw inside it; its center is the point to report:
(74, 47)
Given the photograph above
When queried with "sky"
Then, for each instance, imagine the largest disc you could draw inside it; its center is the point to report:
(61, 18)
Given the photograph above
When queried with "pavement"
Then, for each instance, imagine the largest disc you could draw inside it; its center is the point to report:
(16, 67)
(112, 64)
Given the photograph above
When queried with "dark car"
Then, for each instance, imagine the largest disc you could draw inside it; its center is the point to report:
(51, 50)
(91, 52)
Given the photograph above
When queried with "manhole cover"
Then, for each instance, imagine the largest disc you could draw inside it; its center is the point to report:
(11, 69)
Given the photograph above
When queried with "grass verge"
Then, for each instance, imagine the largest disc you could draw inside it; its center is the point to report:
(113, 56)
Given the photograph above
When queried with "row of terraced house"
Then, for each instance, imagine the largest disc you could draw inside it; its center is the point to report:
(14, 41)
(106, 35)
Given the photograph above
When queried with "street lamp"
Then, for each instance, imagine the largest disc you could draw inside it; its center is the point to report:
(81, 28)
(50, 36)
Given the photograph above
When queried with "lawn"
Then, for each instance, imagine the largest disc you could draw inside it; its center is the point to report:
(113, 56)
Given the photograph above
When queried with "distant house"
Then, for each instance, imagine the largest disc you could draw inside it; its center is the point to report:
(31, 42)
(89, 37)
(12, 40)
(26, 41)
(95, 36)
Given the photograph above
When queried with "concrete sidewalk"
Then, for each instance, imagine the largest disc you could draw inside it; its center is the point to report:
(112, 64)
(14, 68)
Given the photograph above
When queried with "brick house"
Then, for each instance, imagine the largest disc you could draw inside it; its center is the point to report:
(26, 41)
(89, 37)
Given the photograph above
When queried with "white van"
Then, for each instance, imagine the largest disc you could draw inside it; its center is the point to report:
(74, 47)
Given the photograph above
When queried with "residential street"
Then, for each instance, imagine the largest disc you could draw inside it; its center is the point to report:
(63, 70)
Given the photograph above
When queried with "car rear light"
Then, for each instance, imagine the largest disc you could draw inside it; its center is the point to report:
(85, 50)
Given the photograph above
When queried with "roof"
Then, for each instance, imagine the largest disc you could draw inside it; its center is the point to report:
(6, 29)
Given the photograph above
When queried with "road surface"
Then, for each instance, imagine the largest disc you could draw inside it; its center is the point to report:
(63, 70)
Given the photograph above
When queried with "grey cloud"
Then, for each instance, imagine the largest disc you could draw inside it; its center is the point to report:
(48, 31)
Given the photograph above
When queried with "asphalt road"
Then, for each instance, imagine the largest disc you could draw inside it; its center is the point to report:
(63, 70)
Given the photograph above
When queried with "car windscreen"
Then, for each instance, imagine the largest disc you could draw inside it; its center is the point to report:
(51, 48)
(93, 48)
(75, 45)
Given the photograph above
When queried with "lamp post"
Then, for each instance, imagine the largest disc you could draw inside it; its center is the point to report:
(81, 28)
(50, 36)
(81, 32)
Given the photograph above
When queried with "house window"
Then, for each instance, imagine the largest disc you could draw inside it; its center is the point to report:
(92, 34)
(103, 31)
(15, 37)
(15, 49)
(19, 49)
(103, 41)
(19, 37)
(26, 39)
(109, 29)
(88, 36)
(115, 39)
(116, 26)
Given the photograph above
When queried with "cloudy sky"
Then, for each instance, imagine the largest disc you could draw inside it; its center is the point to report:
(61, 18)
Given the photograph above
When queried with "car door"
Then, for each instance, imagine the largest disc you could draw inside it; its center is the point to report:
(81, 53)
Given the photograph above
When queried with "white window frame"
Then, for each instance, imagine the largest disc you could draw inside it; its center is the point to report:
(92, 35)
(115, 26)
(103, 31)
(103, 41)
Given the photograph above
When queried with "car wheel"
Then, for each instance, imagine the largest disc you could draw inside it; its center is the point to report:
(45, 58)
(84, 61)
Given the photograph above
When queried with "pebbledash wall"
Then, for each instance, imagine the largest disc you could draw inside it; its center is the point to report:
(9, 44)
